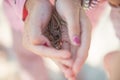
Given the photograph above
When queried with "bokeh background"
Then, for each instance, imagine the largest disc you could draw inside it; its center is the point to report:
(103, 42)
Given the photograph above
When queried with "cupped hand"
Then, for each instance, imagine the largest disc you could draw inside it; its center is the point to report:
(39, 14)
(79, 53)
(78, 31)
(69, 10)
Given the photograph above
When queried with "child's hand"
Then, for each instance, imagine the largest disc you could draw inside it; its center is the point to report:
(39, 14)
(79, 31)
(69, 10)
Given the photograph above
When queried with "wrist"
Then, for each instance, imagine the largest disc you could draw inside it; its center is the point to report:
(30, 4)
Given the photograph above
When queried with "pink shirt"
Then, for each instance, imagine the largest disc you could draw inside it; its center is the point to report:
(14, 13)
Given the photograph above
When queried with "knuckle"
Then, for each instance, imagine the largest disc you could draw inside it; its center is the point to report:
(35, 41)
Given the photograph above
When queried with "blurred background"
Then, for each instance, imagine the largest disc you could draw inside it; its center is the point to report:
(103, 42)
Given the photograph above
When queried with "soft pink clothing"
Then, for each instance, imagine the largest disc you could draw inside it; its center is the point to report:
(14, 13)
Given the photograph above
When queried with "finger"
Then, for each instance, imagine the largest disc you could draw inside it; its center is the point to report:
(74, 51)
(41, 49)
(85, 42)
(66, 62)
(69, 10)
(72, 78)
(49, 52)
(66, 70)
(65, 45)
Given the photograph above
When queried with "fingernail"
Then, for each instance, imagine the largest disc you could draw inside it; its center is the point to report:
(76, 40)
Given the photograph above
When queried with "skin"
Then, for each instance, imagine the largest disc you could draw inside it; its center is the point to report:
(32, 34)
(115, 2)
(34, 40)
(80, 52)
(112, 65)
(112, 60)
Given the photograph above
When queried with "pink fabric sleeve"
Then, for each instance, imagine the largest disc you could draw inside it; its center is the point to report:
(13, 10)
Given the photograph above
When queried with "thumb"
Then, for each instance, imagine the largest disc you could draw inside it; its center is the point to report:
(40, 40)
(74, 29)
(83, 50)
(69, 10)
